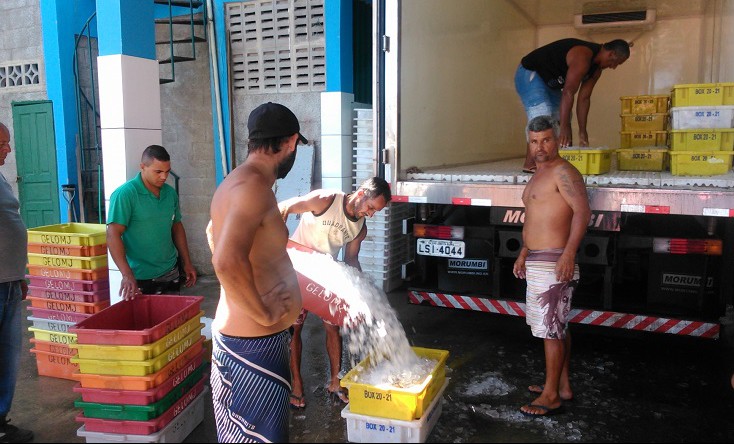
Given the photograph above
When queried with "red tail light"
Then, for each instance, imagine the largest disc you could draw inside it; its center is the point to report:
(438, 231)
(712, 247)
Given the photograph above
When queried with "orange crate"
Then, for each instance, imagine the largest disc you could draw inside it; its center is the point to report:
(67, 250)
(69, 306)
(68, 273)
(193, 356)
(55, 365)
(53, 347)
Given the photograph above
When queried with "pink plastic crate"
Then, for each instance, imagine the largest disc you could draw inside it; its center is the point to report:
(71, 296)
(67, 284)
(142, 427)
(57, 315)
(139, 397)
(139, 321)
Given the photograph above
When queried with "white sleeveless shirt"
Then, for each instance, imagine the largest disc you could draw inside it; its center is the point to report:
(329, 231)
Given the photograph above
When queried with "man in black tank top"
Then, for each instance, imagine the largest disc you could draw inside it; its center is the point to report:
(549, 77)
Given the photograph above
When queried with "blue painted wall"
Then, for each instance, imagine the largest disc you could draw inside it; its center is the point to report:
(338, 29)
(60, 20)
(220, 33)
(128, 28)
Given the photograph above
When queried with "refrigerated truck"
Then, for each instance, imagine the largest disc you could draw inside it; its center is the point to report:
(449, 137)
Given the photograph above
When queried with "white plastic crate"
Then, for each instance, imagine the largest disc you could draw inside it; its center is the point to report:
(363, 428)
(176, 431)
(698, 117)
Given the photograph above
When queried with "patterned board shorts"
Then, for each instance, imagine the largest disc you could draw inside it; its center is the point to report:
(547, 301)
(250, 380)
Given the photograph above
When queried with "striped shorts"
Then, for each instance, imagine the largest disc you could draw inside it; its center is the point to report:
(547, 301)
(250, 380)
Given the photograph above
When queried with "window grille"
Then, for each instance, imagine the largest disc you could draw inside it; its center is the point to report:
(277, 45)
(15, 75)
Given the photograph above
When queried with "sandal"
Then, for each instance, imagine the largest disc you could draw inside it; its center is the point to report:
(300, 401)
(339, 395)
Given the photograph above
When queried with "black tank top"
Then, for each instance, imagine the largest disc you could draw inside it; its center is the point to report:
(549, 61)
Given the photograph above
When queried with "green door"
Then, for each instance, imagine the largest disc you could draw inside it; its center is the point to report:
(35, 153)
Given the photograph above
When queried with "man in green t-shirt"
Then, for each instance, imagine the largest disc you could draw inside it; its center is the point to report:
(145, 235)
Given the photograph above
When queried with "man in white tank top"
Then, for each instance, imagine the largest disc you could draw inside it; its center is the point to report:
(330, 221)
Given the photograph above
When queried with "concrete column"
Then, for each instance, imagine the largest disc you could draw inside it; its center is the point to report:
(129, 95)
(337, 102)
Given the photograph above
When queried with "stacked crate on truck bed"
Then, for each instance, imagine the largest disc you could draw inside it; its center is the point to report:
(643, 139)
(702, 129)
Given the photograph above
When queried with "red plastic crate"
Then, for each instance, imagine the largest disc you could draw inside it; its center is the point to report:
(48, 313)
(53, 347)
(71, 296)
(142, 427)
(193, 354)
(139, 321)
(74, 307)
(55, 365)
(68, 284)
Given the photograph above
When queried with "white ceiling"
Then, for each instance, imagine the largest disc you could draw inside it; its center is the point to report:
(560, 12)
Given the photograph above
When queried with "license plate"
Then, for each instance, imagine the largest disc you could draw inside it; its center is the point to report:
(442, 248)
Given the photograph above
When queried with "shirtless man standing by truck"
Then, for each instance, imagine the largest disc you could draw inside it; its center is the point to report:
(556, 216)
(260, 297)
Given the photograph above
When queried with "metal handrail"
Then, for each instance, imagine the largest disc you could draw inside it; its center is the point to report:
(82, 116)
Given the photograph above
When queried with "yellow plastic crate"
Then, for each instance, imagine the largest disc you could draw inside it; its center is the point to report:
(139, 352)
(702, 140)
(637, 139)
(644, 122)
(136, 368)
(69, 234)
(700, 163)
(702, 94)
(53, 336)
(645, 104)
(589, 161)
(641, 159)
(404, 404)
(77, 262)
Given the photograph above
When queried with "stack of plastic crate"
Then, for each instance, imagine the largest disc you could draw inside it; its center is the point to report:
(385, 248)
(142, 371)
(702, 129)
(68, 282)
(385, 413)
(643, 139)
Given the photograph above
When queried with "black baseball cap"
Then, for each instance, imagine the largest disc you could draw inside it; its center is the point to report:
(273, 120)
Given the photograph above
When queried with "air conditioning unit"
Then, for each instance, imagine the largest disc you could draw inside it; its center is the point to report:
(612, 21)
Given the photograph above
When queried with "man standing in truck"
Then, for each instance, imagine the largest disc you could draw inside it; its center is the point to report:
(549, 77)
(556, 216)
(330, 221)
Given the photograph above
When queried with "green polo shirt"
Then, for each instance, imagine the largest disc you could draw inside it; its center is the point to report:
(148, 237)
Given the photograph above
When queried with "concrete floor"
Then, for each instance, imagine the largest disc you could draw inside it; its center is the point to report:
(629, 386)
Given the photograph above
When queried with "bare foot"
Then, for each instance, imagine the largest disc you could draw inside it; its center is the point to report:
(565, 395)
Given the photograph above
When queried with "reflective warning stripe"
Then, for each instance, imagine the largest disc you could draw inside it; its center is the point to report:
(472, 202)
(720, 212)
(650, 209)
(409, 199)
(611, 319)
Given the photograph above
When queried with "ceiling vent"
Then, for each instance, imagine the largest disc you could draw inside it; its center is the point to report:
(611, 21)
